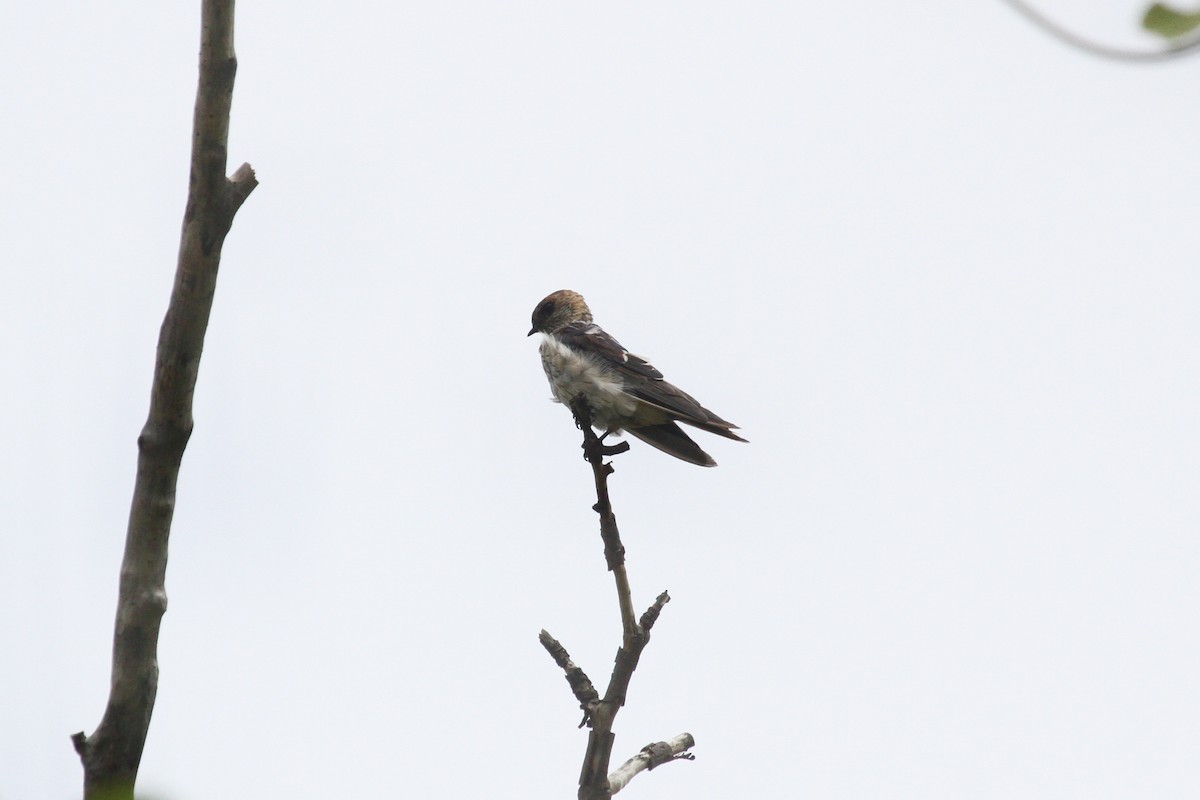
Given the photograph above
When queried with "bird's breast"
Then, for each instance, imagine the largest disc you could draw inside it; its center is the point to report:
(572, 373)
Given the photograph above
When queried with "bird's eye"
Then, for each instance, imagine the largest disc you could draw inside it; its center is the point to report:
(547, 308)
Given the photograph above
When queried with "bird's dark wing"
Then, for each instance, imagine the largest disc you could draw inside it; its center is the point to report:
(590, 338)
(671, 439)
(645, 382)
(682, 406)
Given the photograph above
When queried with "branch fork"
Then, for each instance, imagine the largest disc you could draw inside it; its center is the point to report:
(595, 782)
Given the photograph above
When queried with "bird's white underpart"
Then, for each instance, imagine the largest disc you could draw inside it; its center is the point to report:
(572, 373)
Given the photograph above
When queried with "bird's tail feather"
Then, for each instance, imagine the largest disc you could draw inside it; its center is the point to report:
(720, 428)
(671, 439)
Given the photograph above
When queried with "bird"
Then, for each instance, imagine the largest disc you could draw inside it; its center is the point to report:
(624, 391)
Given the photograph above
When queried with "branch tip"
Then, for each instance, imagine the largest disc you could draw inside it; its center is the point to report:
(651, 756)
(651, 616)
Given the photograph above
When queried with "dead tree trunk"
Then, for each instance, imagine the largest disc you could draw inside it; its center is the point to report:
(112, 754)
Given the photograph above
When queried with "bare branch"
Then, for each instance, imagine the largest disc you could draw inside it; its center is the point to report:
(581, 684)
(649, 757)
(112, 754)
(594, 781)
(594, 451)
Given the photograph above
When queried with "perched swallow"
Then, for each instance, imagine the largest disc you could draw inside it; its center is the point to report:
(624, 392)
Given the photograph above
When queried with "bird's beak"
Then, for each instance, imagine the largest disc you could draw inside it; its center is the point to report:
(532, 331)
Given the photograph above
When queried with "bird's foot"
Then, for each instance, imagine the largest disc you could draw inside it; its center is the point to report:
(595, 449)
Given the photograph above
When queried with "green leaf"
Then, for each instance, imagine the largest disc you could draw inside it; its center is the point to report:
(1168, 22)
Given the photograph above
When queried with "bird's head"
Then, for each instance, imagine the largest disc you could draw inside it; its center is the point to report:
(558, 309)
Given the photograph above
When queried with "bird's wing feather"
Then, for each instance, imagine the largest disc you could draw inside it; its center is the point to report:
(642, 380)
(671, 439)
(590, 338)
(682, 406)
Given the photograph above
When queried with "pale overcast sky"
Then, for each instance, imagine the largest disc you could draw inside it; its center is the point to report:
(940, 268)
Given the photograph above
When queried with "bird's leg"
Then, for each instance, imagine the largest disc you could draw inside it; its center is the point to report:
(594, 448)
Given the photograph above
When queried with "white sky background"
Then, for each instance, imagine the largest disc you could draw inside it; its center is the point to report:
(941, 269)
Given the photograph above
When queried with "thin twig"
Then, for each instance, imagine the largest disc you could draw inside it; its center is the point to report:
(1067, 36)
(594, 450)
